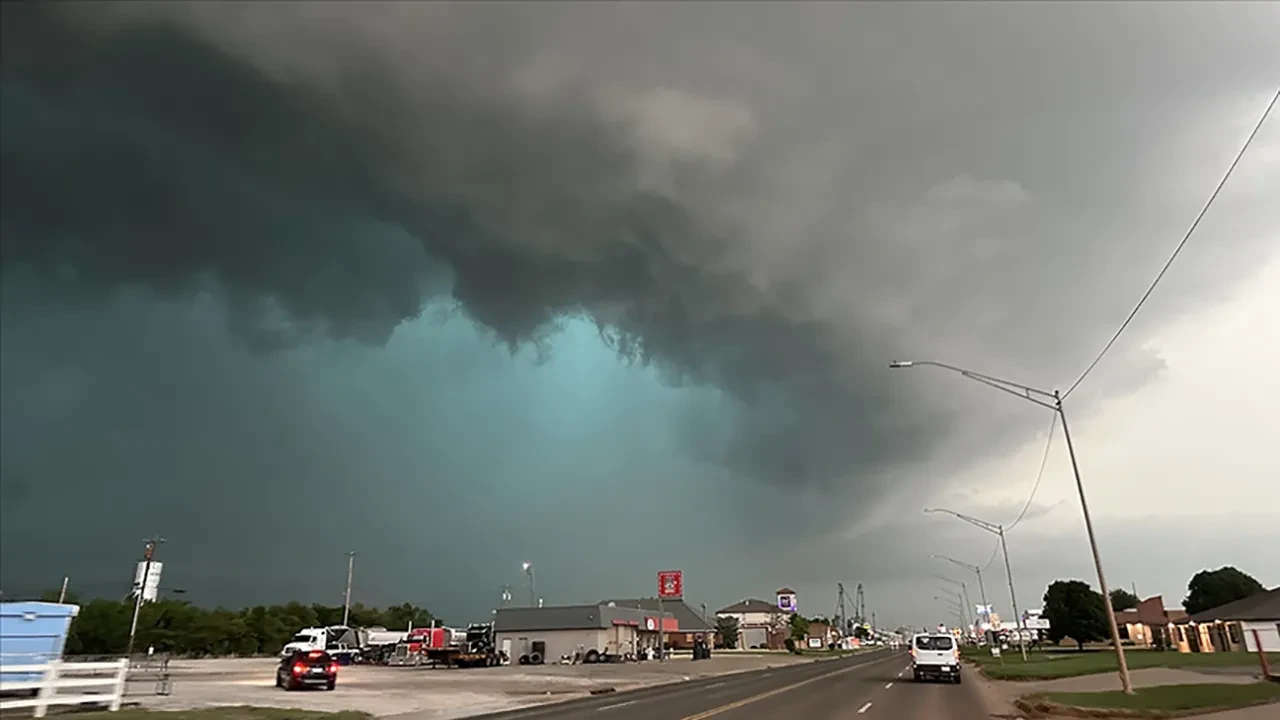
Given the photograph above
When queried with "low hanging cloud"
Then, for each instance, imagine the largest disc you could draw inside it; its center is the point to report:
(138, 153)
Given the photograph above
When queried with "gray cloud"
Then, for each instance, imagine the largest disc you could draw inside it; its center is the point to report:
(766, 203)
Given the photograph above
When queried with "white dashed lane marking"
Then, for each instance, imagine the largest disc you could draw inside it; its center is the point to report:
(864, 708)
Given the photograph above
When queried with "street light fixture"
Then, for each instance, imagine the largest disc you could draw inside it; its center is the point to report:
(533, 595)
(1008, 571)
(1052, 401)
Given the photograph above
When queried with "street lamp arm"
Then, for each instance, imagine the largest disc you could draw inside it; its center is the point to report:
(1026, 392)
(966, 566)
(992, 528)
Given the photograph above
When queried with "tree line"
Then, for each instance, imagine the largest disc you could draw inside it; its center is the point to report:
(1075, 610)
(178, 627)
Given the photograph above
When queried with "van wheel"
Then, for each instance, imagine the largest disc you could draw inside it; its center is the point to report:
(956, 679)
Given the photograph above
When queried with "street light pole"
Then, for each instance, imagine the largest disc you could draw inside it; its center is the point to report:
(968, 604)
(346, 598)
(999, 531)
(982, 588)
(533, 594)
(1052, 401)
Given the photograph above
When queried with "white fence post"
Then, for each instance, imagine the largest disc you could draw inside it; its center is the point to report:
(48, 687)
(62, 683)
(122, 677)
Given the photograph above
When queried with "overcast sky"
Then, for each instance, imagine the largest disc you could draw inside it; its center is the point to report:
(613, 289)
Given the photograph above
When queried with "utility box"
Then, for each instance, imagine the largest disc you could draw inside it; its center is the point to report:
(32, 633)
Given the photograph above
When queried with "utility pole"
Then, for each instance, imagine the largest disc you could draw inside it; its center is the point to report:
(533, 595)
(149, 550)
(346, 603)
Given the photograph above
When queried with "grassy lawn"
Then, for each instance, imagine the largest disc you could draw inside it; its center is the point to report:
(1165, 699)
(1041, 665)
(225, 713)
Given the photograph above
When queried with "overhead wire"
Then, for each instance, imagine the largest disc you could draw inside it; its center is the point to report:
(1044, 461)
(1141, 301)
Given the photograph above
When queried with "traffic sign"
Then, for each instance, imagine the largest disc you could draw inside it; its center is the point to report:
(671, 584)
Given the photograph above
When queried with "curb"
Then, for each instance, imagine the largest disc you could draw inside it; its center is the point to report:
(1036, 708)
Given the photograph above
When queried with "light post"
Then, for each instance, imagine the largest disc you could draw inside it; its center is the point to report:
(954, 606)
(1052, 401)
(982, 588)
(1008, 571)
(968, 604)
(533, 595)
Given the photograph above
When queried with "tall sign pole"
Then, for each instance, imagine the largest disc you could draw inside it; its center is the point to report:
(149, 551)
(670, 586)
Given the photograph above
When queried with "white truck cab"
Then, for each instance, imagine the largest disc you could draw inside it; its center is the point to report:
(935, 656)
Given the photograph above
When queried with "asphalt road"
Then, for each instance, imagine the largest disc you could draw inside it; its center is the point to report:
(863, 686)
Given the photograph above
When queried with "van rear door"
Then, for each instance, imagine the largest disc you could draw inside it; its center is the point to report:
(935, 650)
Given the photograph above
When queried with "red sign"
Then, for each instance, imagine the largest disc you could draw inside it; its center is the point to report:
(671, 584)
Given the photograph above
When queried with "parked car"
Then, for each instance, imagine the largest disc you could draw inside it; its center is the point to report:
(307, 668)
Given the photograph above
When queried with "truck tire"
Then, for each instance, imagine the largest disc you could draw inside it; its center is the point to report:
(524, 659)
(592, 657)
(535, 658)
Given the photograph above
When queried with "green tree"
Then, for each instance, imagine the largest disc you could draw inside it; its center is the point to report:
(1075, 610)
(727, 631)
(181, 628)
(1122, 599)
(1209, 589)
(799, 627)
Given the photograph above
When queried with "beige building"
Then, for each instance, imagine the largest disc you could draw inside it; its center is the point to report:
(535, 636)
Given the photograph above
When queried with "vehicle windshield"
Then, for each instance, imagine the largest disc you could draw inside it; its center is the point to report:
(934, 642)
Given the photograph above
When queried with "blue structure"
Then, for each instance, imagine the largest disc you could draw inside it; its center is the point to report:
(32, 633)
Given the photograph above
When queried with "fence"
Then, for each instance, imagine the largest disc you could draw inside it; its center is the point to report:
(55, 676)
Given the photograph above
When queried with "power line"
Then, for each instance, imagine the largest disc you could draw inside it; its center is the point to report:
(1044, 461)
(1177, 250)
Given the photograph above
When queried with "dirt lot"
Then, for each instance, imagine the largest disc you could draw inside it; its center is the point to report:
(424, 694)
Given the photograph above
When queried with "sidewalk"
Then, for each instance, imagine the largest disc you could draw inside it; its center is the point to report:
(1000, 694)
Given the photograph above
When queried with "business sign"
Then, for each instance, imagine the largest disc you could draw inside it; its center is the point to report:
(1036, 623)
(151, 588)
(671, 584)
(787, 602)
(815, 643)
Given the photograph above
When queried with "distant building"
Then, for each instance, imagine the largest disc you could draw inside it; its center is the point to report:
(761, 624)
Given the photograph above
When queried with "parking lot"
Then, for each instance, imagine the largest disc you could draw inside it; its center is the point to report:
(423, 693)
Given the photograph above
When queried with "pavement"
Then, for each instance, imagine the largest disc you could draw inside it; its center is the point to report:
(871, 685)
(427, 694)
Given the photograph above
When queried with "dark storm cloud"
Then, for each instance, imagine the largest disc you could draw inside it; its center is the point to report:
(766, 199)
(144, 156)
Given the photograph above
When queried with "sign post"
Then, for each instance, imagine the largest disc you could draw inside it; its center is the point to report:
(670, 585)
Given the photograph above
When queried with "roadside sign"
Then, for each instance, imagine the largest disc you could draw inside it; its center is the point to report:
(671, 584)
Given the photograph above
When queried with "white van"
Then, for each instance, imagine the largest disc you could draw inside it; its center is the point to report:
(935, 656)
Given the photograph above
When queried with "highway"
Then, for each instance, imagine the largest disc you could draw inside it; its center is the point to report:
(868, 686)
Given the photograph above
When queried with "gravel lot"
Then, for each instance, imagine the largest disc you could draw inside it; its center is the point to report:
(421, 693)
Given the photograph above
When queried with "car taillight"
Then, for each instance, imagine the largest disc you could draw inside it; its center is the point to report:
(299, 669)
(333, 668)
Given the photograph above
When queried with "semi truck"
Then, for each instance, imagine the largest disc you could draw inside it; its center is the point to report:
(346, 644)
(451, 647)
